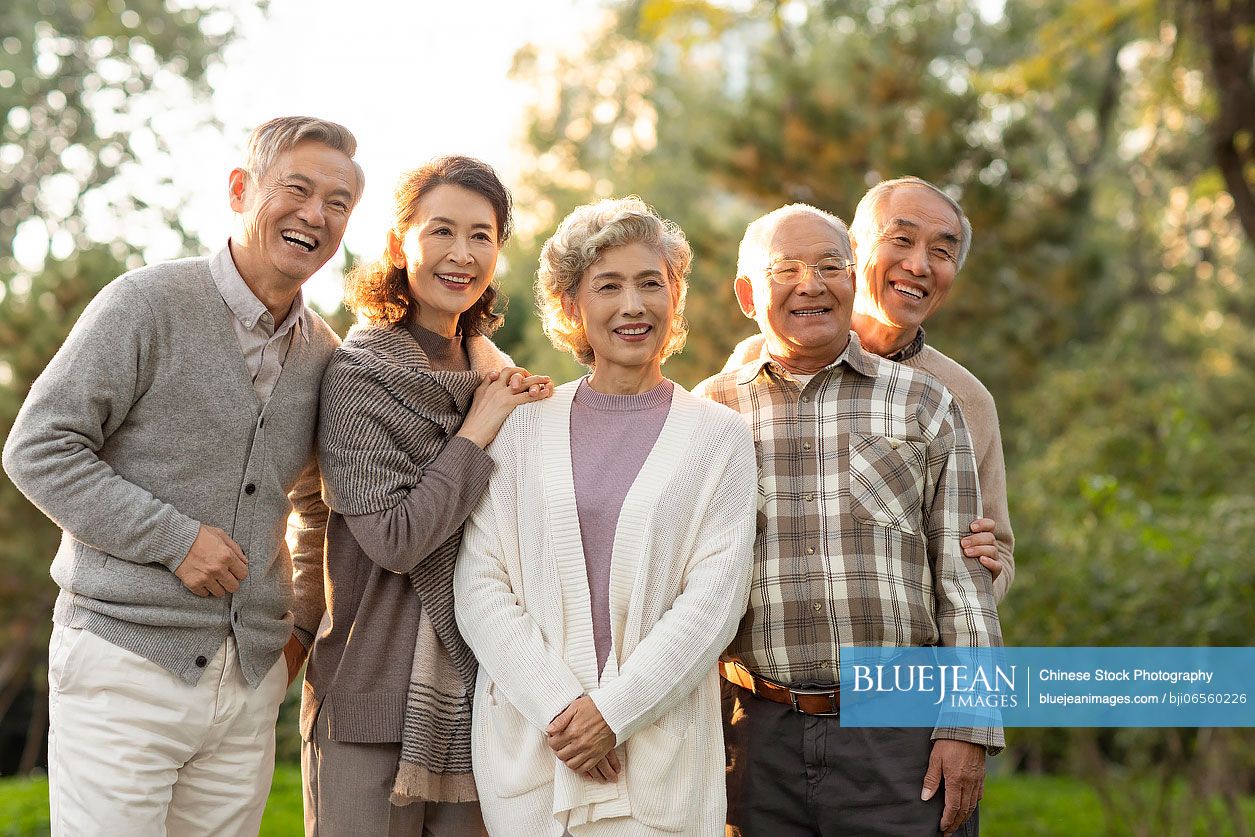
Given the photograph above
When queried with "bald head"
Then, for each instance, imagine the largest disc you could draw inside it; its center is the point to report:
(805, 318)
(756, 244)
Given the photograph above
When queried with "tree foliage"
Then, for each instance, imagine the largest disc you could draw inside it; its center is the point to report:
(82, 85)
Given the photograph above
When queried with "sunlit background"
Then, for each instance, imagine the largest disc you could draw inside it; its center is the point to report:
(411, 80)
(1103, 149)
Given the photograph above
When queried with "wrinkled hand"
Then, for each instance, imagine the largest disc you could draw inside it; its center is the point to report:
(215, 565)
(961, 765)
(982, 545)
(580, 736)
(294, 657)
(606, 770)
(496, 397)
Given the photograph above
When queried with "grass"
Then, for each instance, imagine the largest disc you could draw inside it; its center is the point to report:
(1033, 806)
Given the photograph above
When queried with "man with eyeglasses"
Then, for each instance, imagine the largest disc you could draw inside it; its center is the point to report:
(895, 294)
(867, 482)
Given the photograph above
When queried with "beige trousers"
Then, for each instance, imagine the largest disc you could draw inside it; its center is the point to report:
(347, 790)
(132, 750)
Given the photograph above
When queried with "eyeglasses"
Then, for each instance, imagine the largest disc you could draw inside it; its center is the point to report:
(793, 271)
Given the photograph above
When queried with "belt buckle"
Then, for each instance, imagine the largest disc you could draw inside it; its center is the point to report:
(834, 708)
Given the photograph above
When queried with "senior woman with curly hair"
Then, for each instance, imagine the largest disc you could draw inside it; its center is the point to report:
(607, 566)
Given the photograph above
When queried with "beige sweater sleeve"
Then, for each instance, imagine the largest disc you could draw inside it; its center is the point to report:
(981, 416)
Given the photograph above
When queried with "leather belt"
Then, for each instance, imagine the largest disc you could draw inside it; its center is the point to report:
(822, 702)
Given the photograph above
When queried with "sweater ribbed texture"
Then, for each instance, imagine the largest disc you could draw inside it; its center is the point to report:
(680, 568)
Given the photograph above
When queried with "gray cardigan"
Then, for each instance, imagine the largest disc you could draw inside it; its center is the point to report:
(145, 425)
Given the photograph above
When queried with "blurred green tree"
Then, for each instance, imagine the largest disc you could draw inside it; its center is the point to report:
(79, 83)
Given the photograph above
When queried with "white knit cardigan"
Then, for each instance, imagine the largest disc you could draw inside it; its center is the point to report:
(680, 566)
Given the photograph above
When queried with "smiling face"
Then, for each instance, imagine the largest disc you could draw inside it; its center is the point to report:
(293, 214)
(625, 303)
(906, 271)
(807, 325)
(449, 254)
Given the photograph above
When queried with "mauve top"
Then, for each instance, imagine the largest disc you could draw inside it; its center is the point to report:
(611, 437)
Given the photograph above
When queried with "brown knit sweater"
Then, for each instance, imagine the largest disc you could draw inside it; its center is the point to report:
(359, 669)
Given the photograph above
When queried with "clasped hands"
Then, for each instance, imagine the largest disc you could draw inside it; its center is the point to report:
(584, 741)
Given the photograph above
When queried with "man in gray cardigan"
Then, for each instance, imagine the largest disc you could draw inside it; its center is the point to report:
(170, 438)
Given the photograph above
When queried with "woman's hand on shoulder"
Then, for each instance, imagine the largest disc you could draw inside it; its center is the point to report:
(496, 397)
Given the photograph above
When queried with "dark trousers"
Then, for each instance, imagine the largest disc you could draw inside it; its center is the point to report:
(795, 775)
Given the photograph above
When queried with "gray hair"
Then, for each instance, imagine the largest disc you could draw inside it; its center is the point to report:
(753, 249)
(272, 138)
(581, 239)
(868, 223)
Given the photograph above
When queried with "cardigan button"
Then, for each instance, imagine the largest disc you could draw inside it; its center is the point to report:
(201, 662)
(249, 489)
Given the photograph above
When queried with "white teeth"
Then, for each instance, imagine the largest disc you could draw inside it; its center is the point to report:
(637, 330)
(914, 293)
(810, 312)
(307, 241)
(457, 280)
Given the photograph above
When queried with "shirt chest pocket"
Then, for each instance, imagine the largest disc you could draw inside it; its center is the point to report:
(886, 481)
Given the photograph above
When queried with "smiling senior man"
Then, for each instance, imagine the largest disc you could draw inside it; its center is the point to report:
(170, 438)
(910, 240)
(867, 481)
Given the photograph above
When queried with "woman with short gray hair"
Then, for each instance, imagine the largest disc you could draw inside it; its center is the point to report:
(607, 566)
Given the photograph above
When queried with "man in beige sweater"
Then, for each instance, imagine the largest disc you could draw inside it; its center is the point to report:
(895, 294)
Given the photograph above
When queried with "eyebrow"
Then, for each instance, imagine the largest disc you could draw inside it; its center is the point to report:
(614, 274)
(440, 219)
(948, 236)
(338, 191)
(831, 253)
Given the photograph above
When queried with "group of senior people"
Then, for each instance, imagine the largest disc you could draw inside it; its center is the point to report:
(611, 607)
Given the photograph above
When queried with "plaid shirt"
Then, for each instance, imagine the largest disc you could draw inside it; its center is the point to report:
(867, 481)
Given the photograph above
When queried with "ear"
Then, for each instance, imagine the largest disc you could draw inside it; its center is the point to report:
(237, 184)
(570, 309)
(745, 295)
(396, 253)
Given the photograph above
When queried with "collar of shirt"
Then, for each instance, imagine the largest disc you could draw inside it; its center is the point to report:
(910, 350)
(245, 305)
(853, 356)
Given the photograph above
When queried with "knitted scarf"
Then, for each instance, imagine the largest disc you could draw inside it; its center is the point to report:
(389, 416)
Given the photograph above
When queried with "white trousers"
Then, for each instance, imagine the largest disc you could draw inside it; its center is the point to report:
(133, 750)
